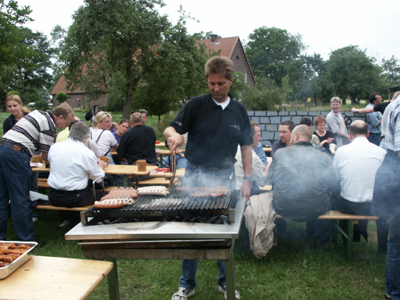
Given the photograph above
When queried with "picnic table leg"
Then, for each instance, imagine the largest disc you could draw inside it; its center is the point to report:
(125, 181)
(349, 238)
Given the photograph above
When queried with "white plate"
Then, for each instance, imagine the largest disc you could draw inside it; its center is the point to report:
(36, 165)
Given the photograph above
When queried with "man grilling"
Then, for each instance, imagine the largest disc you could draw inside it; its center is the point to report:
(216, 125)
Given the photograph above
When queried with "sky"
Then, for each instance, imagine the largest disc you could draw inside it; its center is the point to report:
(324, 25)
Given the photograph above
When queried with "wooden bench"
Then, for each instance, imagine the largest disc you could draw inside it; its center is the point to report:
(42, 183)
(352, 219)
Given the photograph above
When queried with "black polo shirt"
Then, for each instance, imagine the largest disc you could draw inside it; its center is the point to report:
(213, 133)
(381, 107)
(9, 123)
(138, 143)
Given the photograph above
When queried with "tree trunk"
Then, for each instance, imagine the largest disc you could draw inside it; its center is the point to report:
(131, 88)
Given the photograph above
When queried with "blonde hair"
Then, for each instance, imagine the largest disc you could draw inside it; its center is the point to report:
(100, 116)
(15, 97)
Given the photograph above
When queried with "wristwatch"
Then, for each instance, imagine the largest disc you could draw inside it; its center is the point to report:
(248, 178)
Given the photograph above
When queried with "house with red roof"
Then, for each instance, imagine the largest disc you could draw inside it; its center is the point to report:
(229, 47)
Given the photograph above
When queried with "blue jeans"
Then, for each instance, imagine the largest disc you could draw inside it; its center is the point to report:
(393, 267)
(15, 178)
(195, 176)
(189, 269)
(375, 138)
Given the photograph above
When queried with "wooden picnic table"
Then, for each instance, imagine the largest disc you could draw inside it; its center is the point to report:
(267, 149)
(179, 173)
(127, 170)
(45, 277)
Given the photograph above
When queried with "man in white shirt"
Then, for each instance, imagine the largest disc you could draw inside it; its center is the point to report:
(72, 165)
(355, 166)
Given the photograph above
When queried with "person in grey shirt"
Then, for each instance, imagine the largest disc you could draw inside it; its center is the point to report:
(335, 123)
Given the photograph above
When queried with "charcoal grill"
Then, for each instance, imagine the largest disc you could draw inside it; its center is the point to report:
(177, 204)
(163, 240)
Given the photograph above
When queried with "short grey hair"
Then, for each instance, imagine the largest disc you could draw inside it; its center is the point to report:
(79, 131)
(336, 99)
(136, 117)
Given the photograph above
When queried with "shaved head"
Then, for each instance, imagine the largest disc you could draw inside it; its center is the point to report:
(301, 133)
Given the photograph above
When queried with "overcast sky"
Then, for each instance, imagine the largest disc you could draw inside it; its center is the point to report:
(324, 25)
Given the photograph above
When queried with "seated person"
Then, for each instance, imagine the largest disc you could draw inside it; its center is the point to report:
(257, 171)
(257, 147)
(302, 176)
(285, 131)
(138, 142)
(326, 137)
(307, 121)
(123, 127)
(101, 133)
(72, 165)
(355, 166)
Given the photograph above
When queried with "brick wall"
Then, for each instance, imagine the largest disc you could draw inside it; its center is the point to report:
(269, 121)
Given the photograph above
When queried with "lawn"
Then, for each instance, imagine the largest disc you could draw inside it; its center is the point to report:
(295, 269)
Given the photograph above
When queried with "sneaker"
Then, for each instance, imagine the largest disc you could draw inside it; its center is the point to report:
(63, 224)
(223, 291)
(182, 294)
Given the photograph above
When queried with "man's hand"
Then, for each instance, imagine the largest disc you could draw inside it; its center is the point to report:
(245, 190)
(102, 164)
(174, 139)
(354, 109)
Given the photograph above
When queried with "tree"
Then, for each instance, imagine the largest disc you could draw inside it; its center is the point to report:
(30, 73)
(264, 96)
(119, 47)
(57, 43)
(61, 97)
(391, 69)
(353, 74)
(11, 17)
(270, 49)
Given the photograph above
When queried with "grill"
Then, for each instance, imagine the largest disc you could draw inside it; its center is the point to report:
(177, 206)
(164, 240)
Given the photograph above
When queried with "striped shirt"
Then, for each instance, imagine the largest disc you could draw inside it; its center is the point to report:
(35, 132)
(392, 126)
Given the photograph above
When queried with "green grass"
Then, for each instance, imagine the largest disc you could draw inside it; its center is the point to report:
(295, 269)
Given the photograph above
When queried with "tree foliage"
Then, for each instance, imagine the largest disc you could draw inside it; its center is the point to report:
(29, 74)
(124, 47)
(391, 69)
(11, 17)
(265, 95)
(61, 97)
(269, 49)
(353, 74)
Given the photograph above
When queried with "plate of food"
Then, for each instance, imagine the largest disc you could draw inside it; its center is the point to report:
(14, 254)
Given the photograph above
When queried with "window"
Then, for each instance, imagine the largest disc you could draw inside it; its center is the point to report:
(245, 77)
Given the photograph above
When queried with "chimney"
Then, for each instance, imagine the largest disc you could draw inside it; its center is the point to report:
(213, 37)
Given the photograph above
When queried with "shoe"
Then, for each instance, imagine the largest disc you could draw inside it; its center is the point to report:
(182, 294)
(64, 224)
(222, 289)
